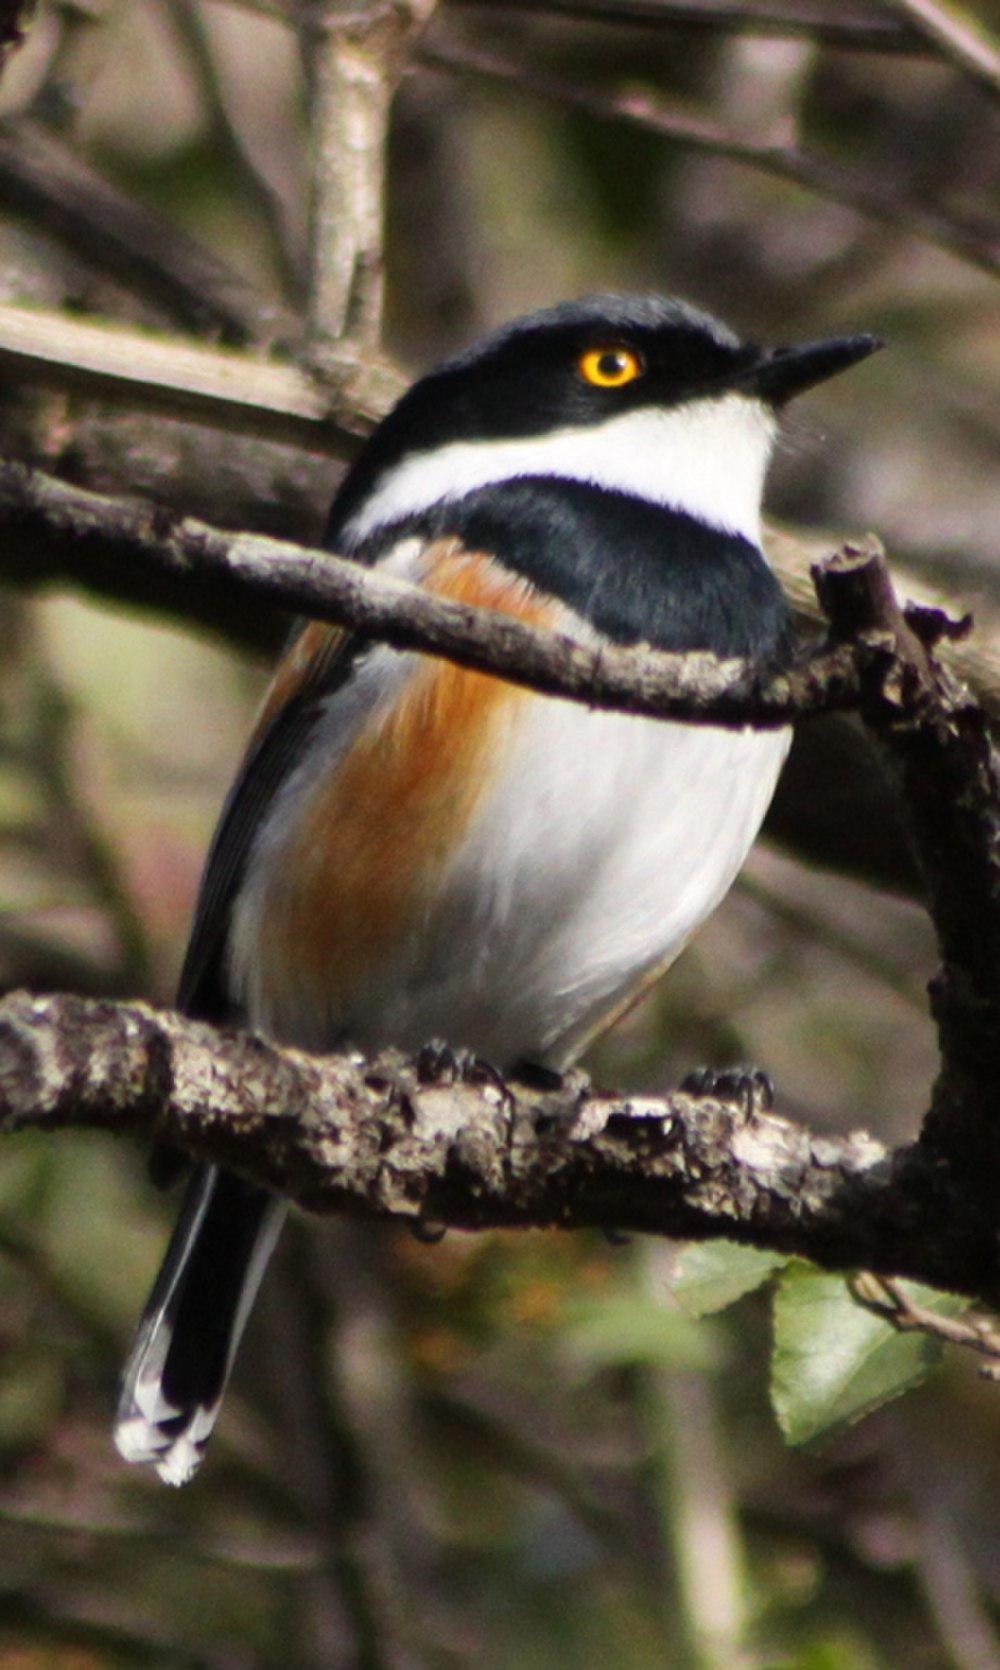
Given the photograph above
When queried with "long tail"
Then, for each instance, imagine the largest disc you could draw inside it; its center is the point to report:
(185, 1344)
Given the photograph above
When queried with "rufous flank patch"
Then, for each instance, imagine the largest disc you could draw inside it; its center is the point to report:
(377, 836)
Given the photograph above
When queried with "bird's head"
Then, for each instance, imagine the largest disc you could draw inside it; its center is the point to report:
(644, 395)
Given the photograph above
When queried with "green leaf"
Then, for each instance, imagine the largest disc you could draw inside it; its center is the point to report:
(709, 1275)
(834, 1361)
(630, 1328)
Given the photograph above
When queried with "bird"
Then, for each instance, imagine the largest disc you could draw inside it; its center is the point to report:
(412, 851)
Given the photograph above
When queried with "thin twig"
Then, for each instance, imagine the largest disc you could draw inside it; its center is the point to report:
(226, 141)
(886, 1297)
(961, 38)
(46, 522)
(857, 28)
(883, 201)
(113, 233)
(810, 925)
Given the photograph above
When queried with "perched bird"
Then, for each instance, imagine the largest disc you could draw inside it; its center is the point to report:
(412, 851)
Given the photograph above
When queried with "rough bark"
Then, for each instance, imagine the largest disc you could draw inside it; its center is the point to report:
(439, 1141)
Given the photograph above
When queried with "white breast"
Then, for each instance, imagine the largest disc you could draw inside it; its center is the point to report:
(607, 843)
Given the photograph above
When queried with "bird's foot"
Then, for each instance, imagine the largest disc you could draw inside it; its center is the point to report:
(536, 1077)
(451, 1064)
(748, 1086)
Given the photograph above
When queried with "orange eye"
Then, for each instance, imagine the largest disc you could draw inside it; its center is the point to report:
(610, 367)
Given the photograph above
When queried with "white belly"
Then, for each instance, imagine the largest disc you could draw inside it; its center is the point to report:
(607, 842)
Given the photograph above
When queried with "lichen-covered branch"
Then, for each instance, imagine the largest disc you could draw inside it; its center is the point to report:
(443, 1143)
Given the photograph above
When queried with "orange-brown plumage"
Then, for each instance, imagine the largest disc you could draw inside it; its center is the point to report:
(313, 650)
(377, 836)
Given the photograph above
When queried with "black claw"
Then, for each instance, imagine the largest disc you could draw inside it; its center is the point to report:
(427, 1232)
(536, 1077)
(616, 1238)
(438, 1062)
(749, 1086)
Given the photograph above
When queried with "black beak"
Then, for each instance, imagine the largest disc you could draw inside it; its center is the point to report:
(782, 373)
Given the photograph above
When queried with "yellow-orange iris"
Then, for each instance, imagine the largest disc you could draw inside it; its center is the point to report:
(610, 367)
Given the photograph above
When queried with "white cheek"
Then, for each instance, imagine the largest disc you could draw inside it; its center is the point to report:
(707, 458)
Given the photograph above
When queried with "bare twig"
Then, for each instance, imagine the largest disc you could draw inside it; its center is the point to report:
(227, 140)
(856, 27)
(961, 38)
(42, 177)
(793, 555)
(886, 1297)
(882, 201)
(809, 925)
(354, 57)
(696, 1497)
(259, 396)
(429, 1139)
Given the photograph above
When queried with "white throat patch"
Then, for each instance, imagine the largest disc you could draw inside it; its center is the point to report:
(707, 457)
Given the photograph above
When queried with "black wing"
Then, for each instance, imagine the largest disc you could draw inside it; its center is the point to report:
(317, 662)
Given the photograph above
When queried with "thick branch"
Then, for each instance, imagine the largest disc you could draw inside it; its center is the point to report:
(425, 1140)
(941, 741)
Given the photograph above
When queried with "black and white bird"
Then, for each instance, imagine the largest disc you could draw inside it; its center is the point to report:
(412, 851)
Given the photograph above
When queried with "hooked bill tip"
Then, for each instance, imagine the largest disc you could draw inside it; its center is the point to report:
(783, 373)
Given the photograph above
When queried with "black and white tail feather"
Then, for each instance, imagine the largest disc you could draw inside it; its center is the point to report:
(186, 1342)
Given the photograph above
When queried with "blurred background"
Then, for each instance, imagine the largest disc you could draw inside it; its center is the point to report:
(510, 1450)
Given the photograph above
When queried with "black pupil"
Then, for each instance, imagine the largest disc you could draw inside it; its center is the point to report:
(613, 363)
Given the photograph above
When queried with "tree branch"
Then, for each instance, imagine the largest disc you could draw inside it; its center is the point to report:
(355, 53)
(262, 397)
(116, 234)
(882, 201)
(857, 28)
(941, 742)
(49, 526)
(958, 36)
(441, 1142)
